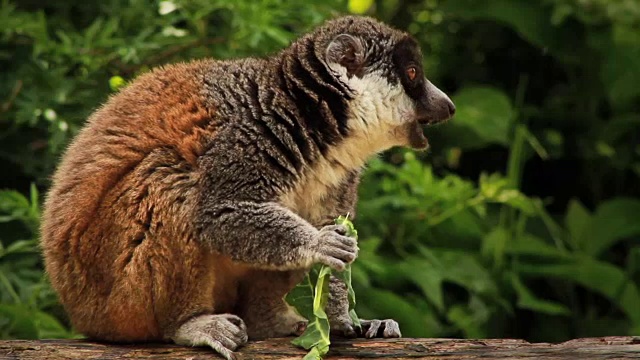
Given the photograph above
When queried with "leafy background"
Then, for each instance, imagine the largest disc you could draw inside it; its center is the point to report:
(522, 221)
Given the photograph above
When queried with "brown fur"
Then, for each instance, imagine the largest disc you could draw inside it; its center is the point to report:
(88, 234)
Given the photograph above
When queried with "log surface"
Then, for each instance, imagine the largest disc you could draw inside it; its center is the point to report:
(616, 347)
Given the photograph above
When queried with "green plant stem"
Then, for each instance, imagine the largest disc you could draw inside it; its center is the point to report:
(516, 151)
(477, 200)
(555, 231)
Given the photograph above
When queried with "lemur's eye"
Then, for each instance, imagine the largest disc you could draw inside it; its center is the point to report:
(412, 72)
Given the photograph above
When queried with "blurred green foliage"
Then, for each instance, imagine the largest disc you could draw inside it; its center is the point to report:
(523, 220)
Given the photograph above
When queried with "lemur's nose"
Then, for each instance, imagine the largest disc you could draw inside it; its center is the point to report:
(441, 106)
(452, 107)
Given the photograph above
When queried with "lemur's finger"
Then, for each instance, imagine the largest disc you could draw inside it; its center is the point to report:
(374, 326)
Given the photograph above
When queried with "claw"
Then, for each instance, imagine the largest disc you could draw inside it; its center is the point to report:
(343, 329)
(347, 331)
(301, 327)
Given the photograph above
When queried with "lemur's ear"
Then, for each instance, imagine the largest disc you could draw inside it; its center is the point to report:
(347, 51)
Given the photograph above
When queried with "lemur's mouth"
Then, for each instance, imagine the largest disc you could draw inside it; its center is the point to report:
(424, 120)
(417, 137)
(439, 117)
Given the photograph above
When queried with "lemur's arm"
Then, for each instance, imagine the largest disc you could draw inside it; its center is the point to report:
(238, 216)
(266, 235)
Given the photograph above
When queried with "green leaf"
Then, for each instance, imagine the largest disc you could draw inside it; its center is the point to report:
(21, 321)
(621, 71)
(311, 300)
(470, 318)
(15, 204)
(463, 269)
(20, 247)
(613, 221)
(26, 322)
(527, 300)
(496, 188)
(577, 220)
(603, 278)
(530, 245)
(278, 35)
(313, 354)
(416, 319)
(485, 114)
(20, 208)
(360, 6)
(528, 18)
(494, 244)
(301, 296)
(618, 127)
(633, 262)
(427, 276)
(345, 275)
(117, 82)
(322, 286)
(316, 335)
(48, 326)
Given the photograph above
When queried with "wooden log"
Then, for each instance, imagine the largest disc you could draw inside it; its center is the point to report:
(617, 347)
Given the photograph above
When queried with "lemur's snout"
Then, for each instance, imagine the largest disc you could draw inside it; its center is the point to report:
(448, 108)
(437, 107)
(452, 107)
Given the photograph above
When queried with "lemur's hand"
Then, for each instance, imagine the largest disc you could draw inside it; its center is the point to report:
(333, 248)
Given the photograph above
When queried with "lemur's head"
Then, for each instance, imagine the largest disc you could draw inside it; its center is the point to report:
(383, 68)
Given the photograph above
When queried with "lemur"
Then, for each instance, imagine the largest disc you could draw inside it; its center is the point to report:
(199, 195)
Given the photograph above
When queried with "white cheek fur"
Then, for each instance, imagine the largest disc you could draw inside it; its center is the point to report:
(378, 108)
(377, 112)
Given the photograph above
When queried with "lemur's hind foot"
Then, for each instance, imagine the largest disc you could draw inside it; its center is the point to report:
(224, 333)
(387, 328)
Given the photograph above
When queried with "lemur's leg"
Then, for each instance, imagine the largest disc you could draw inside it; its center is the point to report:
(262, 305)
(338, 309)
(341, 323)
(202, 314)
(343, 200)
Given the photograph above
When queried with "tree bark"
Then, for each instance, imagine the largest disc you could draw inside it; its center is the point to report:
(617, 347)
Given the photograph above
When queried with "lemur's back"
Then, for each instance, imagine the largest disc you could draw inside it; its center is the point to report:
(126, 186)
